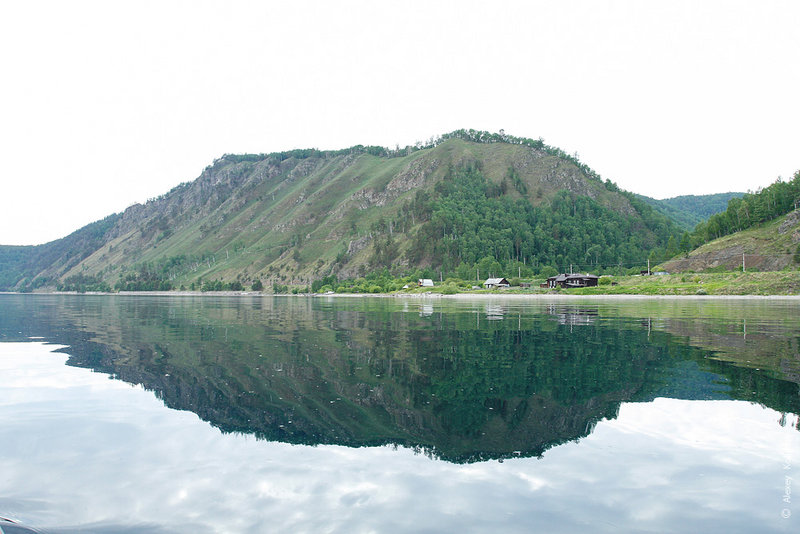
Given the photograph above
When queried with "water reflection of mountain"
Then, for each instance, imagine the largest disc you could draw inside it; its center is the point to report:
(363, 372)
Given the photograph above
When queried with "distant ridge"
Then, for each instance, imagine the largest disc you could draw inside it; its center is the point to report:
(690, 210)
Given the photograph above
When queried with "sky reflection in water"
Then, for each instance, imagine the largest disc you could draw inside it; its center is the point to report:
(80, 450)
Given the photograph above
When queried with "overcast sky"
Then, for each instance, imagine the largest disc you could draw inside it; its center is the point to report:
(105, 104)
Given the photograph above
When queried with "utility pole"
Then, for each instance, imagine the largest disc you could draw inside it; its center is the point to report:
(742, 261)
(648, 266)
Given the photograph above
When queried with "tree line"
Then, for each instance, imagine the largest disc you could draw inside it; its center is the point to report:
(750, 210)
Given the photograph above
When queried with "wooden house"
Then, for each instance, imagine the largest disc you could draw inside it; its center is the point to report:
(494, 283)
(572, 280)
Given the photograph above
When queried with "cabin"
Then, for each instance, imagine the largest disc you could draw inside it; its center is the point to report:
(493, 283)
(572, 280)
(425, 282)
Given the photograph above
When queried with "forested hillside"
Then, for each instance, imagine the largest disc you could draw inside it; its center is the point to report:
(690, 210)
(701, 206)
(470, 218)
(753, 208)
(467, 202)
(758, 231)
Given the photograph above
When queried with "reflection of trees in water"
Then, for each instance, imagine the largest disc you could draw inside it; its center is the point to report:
(356, 374)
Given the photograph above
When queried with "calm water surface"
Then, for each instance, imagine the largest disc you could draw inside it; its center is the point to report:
(270, 414)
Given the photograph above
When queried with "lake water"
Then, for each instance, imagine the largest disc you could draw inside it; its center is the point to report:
(294, 414)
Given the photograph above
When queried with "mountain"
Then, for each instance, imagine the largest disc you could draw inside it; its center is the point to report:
(467, 200)
(690, 210)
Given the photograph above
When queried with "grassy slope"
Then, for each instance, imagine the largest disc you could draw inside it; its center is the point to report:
(249, 232)
(727, 283)
(769, 246)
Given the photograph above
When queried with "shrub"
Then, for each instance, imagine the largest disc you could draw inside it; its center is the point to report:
(279, 288)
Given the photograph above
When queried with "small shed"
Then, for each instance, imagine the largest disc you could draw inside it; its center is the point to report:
(425, 282)
(492, 283)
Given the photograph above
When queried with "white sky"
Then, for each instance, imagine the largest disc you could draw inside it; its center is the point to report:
(104, 104)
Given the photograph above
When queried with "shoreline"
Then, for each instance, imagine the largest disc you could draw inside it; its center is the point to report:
(428, 295)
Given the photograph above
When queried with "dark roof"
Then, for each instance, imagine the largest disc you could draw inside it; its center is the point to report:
(564, 277)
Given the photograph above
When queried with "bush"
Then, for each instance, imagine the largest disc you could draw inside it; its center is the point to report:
(279, 288)
(604, 281)
(449, 289)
